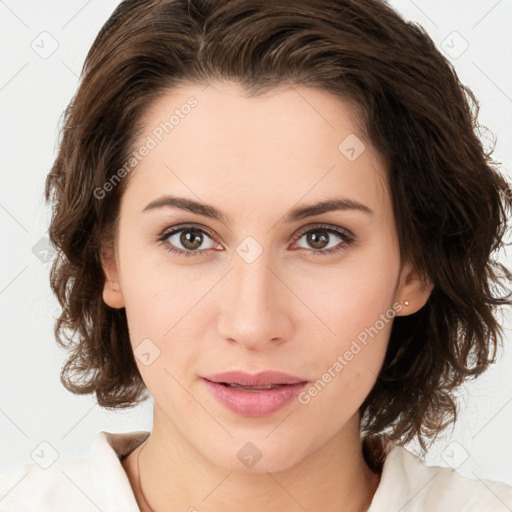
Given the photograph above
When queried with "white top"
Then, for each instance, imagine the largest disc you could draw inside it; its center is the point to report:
(98, 482)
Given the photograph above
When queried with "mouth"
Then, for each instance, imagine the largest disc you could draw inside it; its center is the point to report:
(254, 399)
(265, 380)
(255, 388)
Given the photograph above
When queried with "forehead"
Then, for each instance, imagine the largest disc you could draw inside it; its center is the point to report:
(289, 143)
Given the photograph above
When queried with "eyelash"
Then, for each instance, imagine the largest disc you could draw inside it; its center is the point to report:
(348, 240)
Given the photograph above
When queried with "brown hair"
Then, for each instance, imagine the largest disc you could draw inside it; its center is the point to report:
(449, 200)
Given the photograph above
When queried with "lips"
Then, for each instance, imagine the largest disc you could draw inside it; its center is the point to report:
(252, 401)
(263, 380)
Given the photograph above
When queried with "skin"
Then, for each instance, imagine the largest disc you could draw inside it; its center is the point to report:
(289, 310)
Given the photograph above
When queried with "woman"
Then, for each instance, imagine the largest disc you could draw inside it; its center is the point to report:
(275, 221)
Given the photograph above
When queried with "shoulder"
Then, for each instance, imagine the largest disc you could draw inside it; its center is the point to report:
(26, 487)
(92, 483)
(408, 485)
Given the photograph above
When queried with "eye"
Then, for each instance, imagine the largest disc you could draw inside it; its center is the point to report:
(321, 237)
(189, 237)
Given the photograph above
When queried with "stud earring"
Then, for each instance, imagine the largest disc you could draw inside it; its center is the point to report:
(406, 302)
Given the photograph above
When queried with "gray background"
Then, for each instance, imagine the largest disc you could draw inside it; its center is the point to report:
(43, 46)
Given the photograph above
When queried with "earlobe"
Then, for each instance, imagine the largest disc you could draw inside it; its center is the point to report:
(413, 291)
(112, 295)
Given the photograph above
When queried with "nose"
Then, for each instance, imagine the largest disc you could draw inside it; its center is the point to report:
(255, 305)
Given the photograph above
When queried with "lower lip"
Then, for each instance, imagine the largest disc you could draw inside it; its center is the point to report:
(254, 403)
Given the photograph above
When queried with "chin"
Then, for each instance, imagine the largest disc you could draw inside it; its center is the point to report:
(256, 456)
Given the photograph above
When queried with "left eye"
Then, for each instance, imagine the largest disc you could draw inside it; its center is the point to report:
(320, 237)
(192, 238)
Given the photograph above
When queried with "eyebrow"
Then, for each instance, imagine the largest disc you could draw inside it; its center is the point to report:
(294, 215)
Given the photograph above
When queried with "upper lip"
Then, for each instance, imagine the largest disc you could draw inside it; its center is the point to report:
(259, 379)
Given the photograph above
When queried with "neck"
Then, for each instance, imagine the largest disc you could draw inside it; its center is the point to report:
(175, 476)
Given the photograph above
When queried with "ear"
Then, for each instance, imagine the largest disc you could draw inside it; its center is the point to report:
(112, 294)
(413, 291)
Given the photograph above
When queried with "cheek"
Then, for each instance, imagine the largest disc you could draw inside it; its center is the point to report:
(163, 339)
(154, 293)
(355, 306)
(160, 305)
(353, 295)
(348, 362)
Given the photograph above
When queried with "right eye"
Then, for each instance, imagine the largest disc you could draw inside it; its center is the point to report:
(189, 237)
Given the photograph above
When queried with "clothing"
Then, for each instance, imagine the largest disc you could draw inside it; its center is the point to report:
(98, 482)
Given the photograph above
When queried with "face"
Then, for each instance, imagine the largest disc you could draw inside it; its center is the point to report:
(260, 286)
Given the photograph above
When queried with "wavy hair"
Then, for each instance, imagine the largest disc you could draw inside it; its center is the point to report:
(450, 201)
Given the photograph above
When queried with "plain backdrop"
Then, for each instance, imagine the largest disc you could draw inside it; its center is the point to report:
(43, 47)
